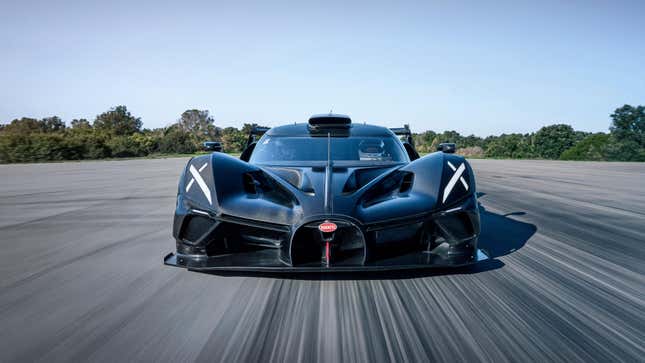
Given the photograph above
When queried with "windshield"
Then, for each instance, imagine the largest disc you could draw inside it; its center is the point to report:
(360, 149)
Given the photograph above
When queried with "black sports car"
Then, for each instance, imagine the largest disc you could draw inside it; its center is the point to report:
(326, 195)
(212, 146)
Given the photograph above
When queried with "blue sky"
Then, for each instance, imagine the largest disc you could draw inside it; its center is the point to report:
(469, 66)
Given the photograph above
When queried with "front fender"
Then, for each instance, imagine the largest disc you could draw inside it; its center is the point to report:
(224, 185)
(436, 186)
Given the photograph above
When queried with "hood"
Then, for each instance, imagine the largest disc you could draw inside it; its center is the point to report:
(311, 180)
(334, 190)
(297, 194)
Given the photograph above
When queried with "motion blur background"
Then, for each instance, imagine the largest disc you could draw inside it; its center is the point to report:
(82, 243)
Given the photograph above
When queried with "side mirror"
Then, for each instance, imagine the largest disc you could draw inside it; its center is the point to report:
(447, 147)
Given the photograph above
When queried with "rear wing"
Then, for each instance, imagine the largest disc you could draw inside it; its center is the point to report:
(255, 134)
(404, 133)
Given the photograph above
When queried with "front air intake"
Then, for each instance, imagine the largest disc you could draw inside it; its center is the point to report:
(347, 245)
(196, 228)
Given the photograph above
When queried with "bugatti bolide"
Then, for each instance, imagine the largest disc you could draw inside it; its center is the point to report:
(326, 195)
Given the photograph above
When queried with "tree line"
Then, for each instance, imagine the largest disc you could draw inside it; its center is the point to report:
(117, 133)
(624, 142)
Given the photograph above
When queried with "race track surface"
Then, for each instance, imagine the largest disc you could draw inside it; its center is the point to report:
(81, 277)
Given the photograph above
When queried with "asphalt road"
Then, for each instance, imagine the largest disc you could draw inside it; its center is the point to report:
(81, 277)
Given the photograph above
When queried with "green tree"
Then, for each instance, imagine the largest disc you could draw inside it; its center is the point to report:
(592, 147)
(200, 124)
(450, 136)
(177, 140)
(52, 124)
(247, 127)
(127, 146)
(81, 124)
(97, 145)
(446, 136)
(118, 121)
(233, 140)
(514, 146)
(24, 126)
(551, 141)
(86, 143)
(628, 124)
(471, 141)
(423, 141)
(627, 134)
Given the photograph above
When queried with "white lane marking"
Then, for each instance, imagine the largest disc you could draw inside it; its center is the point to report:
(201, 183)
(451, 183)
(202, 168)
(190, 184)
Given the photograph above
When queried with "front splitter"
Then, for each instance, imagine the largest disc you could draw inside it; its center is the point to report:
(257, 262)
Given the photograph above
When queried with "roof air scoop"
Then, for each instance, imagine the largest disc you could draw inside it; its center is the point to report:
(329, 121)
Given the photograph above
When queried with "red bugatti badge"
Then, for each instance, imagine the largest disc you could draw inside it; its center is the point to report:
(327, 227)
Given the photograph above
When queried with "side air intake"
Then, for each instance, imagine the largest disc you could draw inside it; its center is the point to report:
(406, 183)
(395, 185)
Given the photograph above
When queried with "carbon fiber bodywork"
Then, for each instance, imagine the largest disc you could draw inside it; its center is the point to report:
(236, 215)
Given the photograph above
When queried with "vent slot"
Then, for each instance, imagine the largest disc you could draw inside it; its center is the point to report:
(250, 185)
(196, 228)
(406, 183)
(360, 178)
(392, 186)
(238, 238)
(259, 185)
(455, 227)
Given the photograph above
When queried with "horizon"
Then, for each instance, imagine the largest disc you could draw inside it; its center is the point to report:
(468, 67)
(239, 125)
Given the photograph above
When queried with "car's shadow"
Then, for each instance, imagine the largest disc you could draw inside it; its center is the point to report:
(500, 235)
